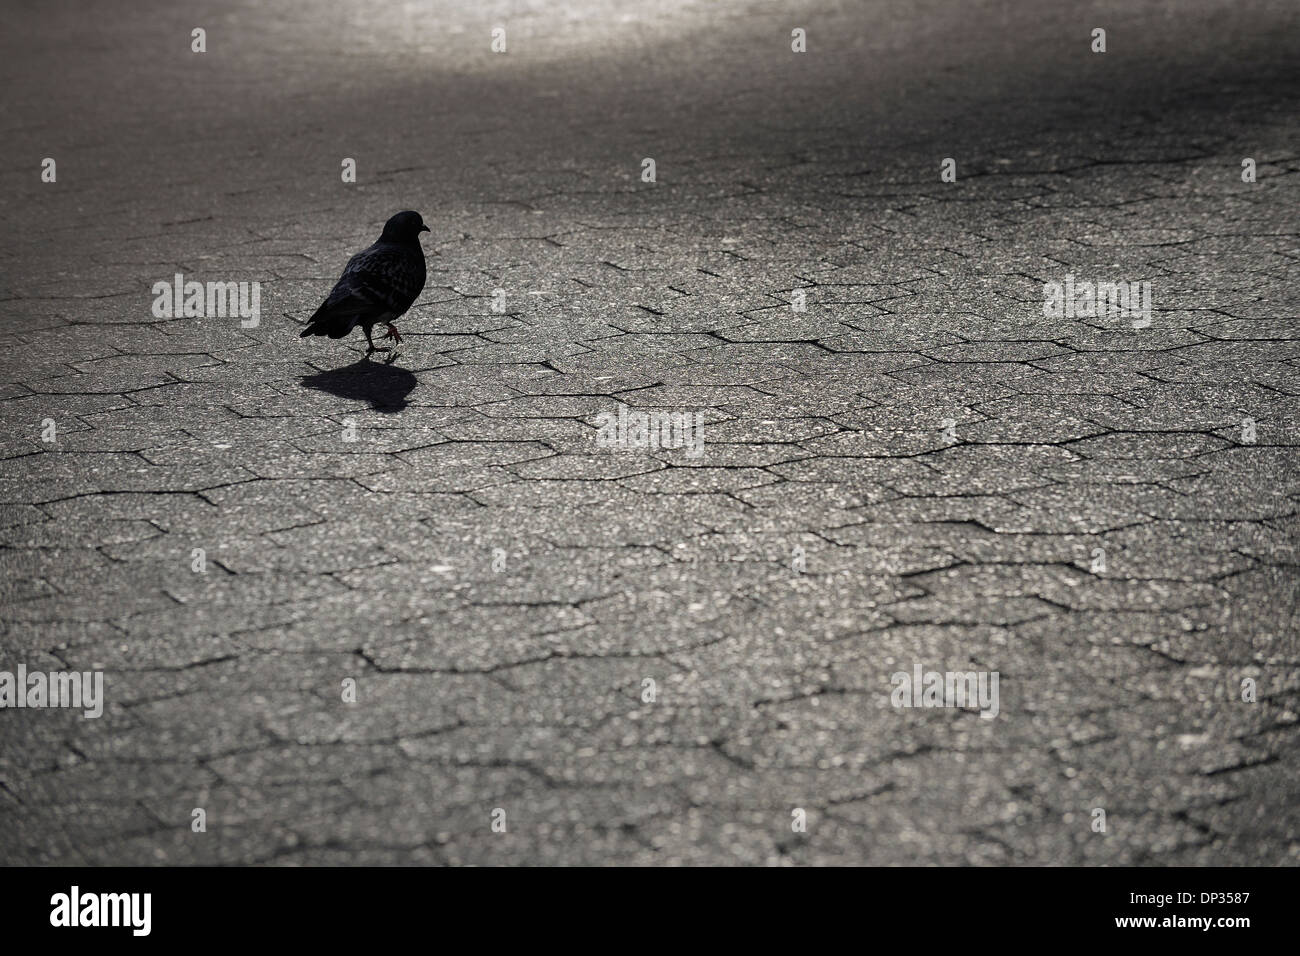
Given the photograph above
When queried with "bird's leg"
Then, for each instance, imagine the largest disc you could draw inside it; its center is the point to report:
(370, 341)
(392, 333)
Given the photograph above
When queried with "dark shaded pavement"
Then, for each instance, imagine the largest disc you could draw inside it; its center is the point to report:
(445, 531)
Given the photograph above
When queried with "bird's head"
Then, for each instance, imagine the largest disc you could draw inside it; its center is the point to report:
(404, 227)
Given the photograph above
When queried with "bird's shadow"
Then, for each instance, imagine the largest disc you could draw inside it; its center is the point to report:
(384, 386)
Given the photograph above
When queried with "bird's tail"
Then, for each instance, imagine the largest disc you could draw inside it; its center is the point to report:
(335, 323)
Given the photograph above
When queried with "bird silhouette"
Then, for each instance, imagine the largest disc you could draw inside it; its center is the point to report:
(378, 284)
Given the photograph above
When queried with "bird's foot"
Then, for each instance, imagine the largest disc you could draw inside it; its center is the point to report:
(392, 333)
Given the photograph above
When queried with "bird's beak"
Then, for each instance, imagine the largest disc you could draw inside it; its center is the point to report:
(425, 229)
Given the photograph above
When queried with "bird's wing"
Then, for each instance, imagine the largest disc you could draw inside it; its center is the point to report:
(381, 279)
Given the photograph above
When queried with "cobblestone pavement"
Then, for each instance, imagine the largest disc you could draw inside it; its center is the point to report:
(1078, 504)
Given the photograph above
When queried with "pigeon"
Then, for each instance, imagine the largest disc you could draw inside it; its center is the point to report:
(378, 284)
